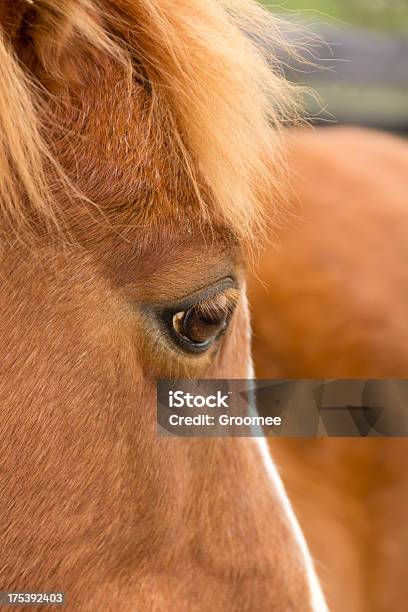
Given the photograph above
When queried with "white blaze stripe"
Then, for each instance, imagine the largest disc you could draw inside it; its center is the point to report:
(317, 602)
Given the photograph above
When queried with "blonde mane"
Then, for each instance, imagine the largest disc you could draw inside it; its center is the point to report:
(225, 103)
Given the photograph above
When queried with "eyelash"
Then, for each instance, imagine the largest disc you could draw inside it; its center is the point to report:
(222, 303)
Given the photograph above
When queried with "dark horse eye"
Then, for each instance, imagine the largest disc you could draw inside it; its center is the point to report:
(199, 326)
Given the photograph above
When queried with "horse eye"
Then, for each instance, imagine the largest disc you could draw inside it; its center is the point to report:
(199, 326)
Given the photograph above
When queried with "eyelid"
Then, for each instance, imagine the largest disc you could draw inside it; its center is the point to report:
(204, 295)
(223, 302)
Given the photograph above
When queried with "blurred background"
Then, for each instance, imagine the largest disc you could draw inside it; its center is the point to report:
(331, 301)
(360, 60)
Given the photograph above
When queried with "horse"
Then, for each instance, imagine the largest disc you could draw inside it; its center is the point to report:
(335, 289)
(139, 147)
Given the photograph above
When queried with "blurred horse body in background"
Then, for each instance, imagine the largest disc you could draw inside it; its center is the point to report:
(331, 302)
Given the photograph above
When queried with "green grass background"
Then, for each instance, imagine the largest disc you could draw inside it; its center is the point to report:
(388, 15)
